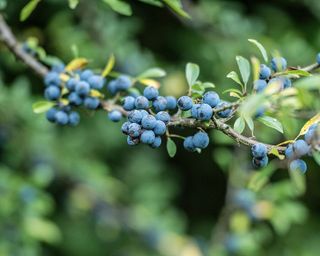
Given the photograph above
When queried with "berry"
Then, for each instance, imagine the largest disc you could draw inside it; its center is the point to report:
(157, 142)
(259, 85)
(160, 128)
(159, 104)
(143, 113)
(163, 116)
(132, 141)
(211, 98)
(204, 112)
(96, 82)
(188, 144)
(260, 162)
(318, 58)
(112, 87)
(115, 115)
(71, 84)
(52, 79)
(278, 64)
(298, 165)
(50, 115)
(52, 93)
(147, 137)
(141, 102)
(265, 72)
(75, 99)
(91, 102)
(310, 133)
(134, 130)
(74, 118)
(194, 110)
(185, 103)
(200, 140)
(171, 102)
(135, 116)
(123, 83)
(61, 117)
(300, 148)
(148, 122)
(86, 74)
(128, 103)
(82, 88)
(289, 152)
(125, 127)
(150, 93)
(224, 113)
(286, 82)
(259, 150)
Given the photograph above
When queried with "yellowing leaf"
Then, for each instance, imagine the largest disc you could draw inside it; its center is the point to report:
(64, 77)
(77, 63)
(286, 142)
(150, 82)
(255, 68)
(109, 66)
(313, 120)
(275, 152)
(64, 102)
(95, 93)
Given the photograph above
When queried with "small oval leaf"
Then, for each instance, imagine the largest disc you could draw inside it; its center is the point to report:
(42, 106)
(171, 147)
(192, 73)
(271, 122)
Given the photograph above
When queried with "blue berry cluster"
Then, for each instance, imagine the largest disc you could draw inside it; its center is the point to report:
(301, 148)
(202, 110)
(277, 64)
(143, 126)
(259, 153)
(75, 91)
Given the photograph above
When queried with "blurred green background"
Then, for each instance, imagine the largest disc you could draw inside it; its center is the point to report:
(83, 191)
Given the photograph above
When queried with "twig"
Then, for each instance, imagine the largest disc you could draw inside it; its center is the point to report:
(7, 37)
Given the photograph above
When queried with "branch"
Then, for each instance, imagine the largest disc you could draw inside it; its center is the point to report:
(7, 37)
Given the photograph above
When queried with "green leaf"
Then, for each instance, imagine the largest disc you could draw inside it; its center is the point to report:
(171, 147)
(249, 122)
(3, 4)
(73, 3)
(309, 83)
(297, 72)
(152, 2)
(42, 106)
(176, 6)
(208, 85)
(120, 7)
(234, 76)
(261, 48)
(192, 73)
(28, 9)
(244, 67)
(316, 156)
(152, 72)
(271, 122)
(239, 125)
